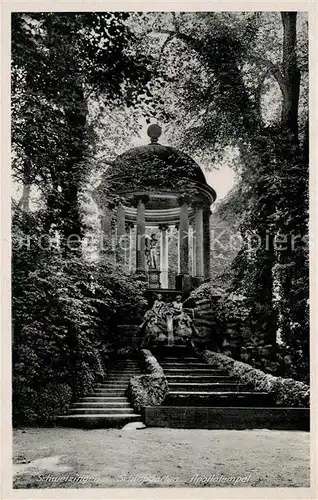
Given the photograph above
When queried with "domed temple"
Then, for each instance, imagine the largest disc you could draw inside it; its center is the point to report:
(156, 188)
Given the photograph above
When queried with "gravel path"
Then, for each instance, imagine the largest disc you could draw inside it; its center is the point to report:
(103, 458)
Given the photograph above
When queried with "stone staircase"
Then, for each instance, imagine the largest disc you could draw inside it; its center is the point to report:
(193, 382)
(107, 405)
(202, 396)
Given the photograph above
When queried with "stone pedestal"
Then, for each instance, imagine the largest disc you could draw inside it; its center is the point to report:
(154, 278)
(164, 261)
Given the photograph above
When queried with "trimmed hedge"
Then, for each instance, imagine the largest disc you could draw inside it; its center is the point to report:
(151, 388)
(286, 391)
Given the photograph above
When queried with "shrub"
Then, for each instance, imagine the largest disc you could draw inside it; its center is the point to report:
(151, 388)
(207, 291)
(287, 392)
(40, 407)
(63, 311)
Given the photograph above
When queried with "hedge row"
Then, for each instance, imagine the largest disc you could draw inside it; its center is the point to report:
(150, 388)
(286, 391)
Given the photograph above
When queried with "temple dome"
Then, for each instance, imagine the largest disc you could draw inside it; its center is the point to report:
(155, 165)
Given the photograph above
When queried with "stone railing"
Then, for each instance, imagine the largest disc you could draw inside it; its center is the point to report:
(286, 391)
(150, 388)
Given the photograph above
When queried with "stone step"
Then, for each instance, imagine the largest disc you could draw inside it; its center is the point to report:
(205, 387)
(116, 378)
(109, 392)
(123, 362)
(133, 366)
(203, 302)
(94, 421)
(176, 360)
(127, 371)
(123, 369)
(112, 380)
(220, 398)
(194, 417)
(114, 387)
(194, 371)
(207, 311)
(104, 399)
(107, 405)
(103, 411)
(200, 378)
(123, 365)
(124, 373)
(204, 322)
(111, 385)
(120, 378)
(181, 364)
(111, 388)
(98, 404)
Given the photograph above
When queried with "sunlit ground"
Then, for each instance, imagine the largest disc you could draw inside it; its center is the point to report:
(103, 458)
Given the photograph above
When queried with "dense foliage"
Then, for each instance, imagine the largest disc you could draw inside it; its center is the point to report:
(64, 305)
(240, 81)
(64, 312)
(286, 391)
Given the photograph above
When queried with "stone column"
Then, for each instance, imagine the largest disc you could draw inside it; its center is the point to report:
(184, 237)
(177, 226)
(128, 246)
(141, 234)
(120, 223)
(199, 252)
(192, 239)
(164, 255)
(184, 281)
(207, 242)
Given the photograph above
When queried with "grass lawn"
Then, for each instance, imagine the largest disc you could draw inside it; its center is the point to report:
(103, 458)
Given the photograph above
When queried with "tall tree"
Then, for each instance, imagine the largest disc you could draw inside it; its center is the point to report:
(71, 56)
(240, 80)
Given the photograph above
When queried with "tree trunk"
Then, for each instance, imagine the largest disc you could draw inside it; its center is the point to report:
(70, 212)
(291, 75)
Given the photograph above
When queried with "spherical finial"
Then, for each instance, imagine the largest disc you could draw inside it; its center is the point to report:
(154, 132)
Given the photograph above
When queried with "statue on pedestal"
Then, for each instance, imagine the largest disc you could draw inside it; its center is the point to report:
(151, 256)
(151, 251)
